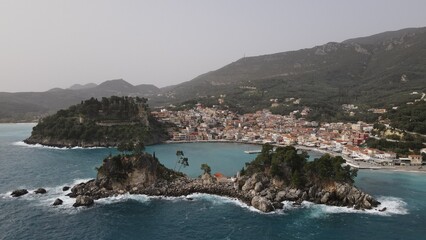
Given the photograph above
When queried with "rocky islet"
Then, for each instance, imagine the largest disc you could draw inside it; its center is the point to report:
(145, 175)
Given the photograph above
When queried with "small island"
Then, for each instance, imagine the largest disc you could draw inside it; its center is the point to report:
(100, 123)
(264, 183)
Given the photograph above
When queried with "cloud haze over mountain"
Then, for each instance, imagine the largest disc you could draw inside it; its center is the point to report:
(46, 44)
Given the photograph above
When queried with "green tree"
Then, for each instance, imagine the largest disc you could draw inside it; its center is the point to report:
(183, 162)
(266, 154)
(139, 148)
(328, 168)
(206, 168)
(297, 179)
(179, 156)
(242, 171)
(125, 147)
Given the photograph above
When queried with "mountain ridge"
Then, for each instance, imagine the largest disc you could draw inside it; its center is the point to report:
(381, 74)
(378, 70)
(33, 105)
(82, 86)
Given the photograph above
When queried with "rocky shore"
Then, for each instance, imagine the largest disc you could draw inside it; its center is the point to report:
(144, 174)
(70, 143)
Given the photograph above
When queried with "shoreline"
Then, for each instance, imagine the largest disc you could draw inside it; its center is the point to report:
(259, 189)
(351, 162)
(18, 122)
(367, 166)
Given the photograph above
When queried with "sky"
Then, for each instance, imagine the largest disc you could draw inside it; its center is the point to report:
(57, 43)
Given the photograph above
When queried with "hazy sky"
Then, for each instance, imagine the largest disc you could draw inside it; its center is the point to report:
(56, 43)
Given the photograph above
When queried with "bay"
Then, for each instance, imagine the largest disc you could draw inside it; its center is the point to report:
(206, 217)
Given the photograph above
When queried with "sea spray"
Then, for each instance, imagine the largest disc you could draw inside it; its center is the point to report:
(393, 205)
(37, 145)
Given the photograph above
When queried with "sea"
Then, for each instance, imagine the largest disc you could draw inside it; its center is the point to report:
(204, 217)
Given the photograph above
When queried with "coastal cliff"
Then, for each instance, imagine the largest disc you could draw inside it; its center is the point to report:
(143, 174)
(105, 123)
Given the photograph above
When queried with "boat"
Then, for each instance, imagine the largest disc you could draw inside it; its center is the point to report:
(253, 151)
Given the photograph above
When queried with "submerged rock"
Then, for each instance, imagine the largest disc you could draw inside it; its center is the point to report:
(66, 188)
(83, 201)
(57, 202)
(19, 192)
(40, 191)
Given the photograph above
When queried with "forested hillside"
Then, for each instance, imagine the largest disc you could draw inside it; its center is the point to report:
(379, 71)
(108, 122)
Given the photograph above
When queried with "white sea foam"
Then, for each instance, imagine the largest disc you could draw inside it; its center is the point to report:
(76, 181)
(215, 199)
(124, 197)
(6, 195)
(47, 199)
(393, 205)
(23, 144)
(219, 200)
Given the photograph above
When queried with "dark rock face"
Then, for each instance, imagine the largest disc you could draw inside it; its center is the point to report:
(83, 201)
(145, 175)
(66, 188)
(57, 202)
(19, 192)
(40, 191)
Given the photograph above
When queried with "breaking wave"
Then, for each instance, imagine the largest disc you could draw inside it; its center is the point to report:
(47, 199)
(393, 205)
(23, 144)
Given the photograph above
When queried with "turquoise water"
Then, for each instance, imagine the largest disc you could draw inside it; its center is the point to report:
(207, 217)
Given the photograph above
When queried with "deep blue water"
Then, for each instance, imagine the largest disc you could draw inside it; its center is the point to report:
(207, 217)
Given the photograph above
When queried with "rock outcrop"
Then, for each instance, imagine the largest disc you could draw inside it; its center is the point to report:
(57, 202)
(262, 204)
(83, 201)
(19, 192)
(40, 191)
(145, 175)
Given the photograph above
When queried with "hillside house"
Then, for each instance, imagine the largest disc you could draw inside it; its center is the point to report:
(415, 160)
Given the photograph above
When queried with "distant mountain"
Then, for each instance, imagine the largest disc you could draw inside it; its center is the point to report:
(377, 71)
(385, 36)
(80, 86)
(148, 88)
(29, 106)
(118, 85)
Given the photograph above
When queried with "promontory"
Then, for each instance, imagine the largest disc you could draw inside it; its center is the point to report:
(100, 123)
